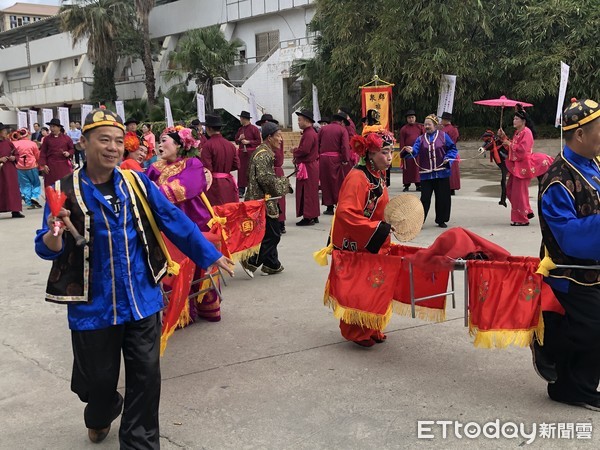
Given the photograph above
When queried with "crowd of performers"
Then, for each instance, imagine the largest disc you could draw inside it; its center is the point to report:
(186, 172)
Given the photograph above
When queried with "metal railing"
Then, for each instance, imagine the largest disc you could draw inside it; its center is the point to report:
(238, 91)
(57, 82)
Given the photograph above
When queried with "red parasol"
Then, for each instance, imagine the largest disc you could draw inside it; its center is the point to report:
(502, 102)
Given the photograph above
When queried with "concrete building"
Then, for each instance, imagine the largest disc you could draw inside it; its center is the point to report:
(21, 14)
(39, 66)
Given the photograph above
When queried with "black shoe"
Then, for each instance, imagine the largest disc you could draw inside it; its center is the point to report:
(405, 188)
(306, 222)
(282, 227)
(442, 225)
(328, 211)
(283, 230)
(316, 219)
(242, 192)
(268, 271)
(17, 215)
(99, 434)
(542, 365)
(530, 215)
(35, 203)
(592, 405)
(503, 203)
(418, 188)
(452, 192)
(248, 268)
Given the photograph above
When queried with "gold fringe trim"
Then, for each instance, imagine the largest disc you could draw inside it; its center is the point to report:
(205, 287)
(503, 338)
(539, 331)
(164, 337)
(245, 254)
(184, 318)
(357, 317)
(421, 312)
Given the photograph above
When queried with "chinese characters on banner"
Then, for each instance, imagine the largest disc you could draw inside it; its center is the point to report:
(32, 119)
(379, 98)
(562, 90)
(22, 119)
(85, 110)
(120, 107)
(47, 115)
(63, 116)
(446, 100)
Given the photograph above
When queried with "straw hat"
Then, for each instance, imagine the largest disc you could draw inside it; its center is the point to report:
(405, 213)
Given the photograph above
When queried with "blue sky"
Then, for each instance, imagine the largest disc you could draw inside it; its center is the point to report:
(7, 3)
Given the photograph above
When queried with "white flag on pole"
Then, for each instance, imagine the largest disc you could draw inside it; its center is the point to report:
(168, 113)
(63, 116)
(201, 107)
(446, 100)
(21, 119)
(32, 119)
(252, 106)
(85, 110)
(562, 91)
(120, 109)
(315, 101)
(47, 115)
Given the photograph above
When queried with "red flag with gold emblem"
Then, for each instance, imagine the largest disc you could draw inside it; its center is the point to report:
(242, 226)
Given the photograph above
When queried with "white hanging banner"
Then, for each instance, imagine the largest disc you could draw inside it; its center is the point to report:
(47, 115)
(21, 119)
(120, 109)
(85, 110)
(315, 100)
(446, 100)
(168, 113)
(252, 107)
(201, 107)
(63, 116)
(562, 91)
(32, 119)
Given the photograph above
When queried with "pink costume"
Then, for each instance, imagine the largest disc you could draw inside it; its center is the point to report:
(221, 157)
(307, 190)
(452, 131)
(252, 134)
(334, 149)
(408, 135)
(51, 155)
(523, 165)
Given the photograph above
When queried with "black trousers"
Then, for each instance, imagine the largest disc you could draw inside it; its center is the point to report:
(97, 360)
(268, 248)
(573, 342)
(441, 188)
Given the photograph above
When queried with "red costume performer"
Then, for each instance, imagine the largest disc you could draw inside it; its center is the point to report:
(252, 134)
(359, 225)
(10, 194)
(451, 130)
(221, 158)
(55, 155)
(307, 188)
(408, 135)
(334, 153)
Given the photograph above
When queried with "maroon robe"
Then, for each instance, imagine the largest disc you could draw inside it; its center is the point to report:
(334, 149)
(452, 131)
(51, 155)
(351, 129)
(220, 157)
(408, 135)
(307, 191)
(10, 194)
(278, 167)
(252, 134)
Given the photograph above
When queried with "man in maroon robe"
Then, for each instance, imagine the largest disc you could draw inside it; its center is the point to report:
(334, 154)
(10, 195)
(247, 138)
(451, 130)
(307, 154)
(408, 135)
(55, 154)
(220, 157)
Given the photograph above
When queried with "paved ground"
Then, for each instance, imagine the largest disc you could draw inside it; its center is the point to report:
(275, 373)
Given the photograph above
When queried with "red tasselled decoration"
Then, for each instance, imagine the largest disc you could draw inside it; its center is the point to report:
(55, 199)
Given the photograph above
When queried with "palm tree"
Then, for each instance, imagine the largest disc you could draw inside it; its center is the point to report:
(99, 21)
(143, 8)
(202, 55)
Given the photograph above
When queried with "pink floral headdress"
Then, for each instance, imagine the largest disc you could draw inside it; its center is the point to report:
(185, 139)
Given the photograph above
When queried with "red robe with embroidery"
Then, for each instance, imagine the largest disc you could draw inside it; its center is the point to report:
(452, 131)
(51, 155)
(278, 168)
(252, 134)
(220, 157)
(10, 194)
(307, 190)
(334, 149)
(408, 135)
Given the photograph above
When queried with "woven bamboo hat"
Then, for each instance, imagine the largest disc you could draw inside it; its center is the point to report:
(405, 213)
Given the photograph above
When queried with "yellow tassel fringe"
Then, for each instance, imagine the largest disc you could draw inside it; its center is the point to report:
(503, 338)
(245, 254)
(421, 312)
(184, 318)
(164, 338)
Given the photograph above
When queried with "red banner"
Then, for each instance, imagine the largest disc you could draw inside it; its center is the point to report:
(379, 98)
(242, 226)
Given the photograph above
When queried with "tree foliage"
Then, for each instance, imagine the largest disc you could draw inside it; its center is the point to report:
(201, 56)
(495, 47)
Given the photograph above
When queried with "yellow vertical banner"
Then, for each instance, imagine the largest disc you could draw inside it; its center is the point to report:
(380, 99)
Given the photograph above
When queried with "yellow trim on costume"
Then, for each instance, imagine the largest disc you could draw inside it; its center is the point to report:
(320, 256)
(178, 190)
(103, 123)
(421, 312)
(112, 266)
(583, 121)
(506, 338)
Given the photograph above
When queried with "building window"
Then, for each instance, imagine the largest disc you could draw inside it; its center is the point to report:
(265, 42)
(19, 21)
(75, 62)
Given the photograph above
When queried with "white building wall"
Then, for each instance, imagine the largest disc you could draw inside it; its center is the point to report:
(178, 17)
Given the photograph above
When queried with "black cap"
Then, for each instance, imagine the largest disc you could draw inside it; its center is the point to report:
(410, 112)
(306, 114)
(245, 115)
(213, 121)
(341, 116)
(131, 120)
(54, 122)
(446, 116)
(580, 112)
(266, 118)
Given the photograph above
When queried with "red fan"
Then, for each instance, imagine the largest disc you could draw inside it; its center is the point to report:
(56, 200)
